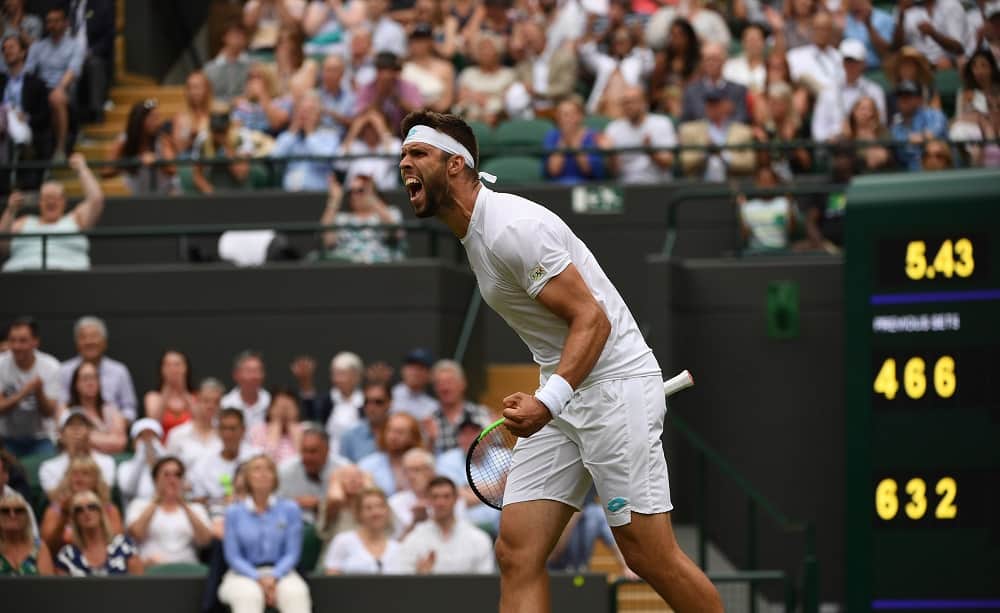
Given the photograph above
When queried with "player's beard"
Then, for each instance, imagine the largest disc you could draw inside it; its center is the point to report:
(437, 194)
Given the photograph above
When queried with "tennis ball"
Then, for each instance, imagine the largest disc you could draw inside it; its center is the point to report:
(578, 581)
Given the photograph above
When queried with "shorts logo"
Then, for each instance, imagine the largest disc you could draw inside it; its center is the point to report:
(617, 504)
(537, 273)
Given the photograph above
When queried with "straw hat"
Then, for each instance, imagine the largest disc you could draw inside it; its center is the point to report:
(924, 73)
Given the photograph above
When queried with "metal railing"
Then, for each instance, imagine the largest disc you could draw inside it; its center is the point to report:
(185, 232)
(686, 195)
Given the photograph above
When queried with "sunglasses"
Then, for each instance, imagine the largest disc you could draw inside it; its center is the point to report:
(91, 506)
(378, 401)
(12, 511)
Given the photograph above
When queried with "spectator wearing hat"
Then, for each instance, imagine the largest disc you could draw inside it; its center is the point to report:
(834, 104)
(360, 440)
(914, 124)
(91, 336)
(74, 438)
(410, 395)
(639, 128)
(369, 133)
(873, 27)
(166, 527)
(908, 64)
(135, 475)
(432, 76)
(360, 239)
(936, 28)
(713, 58)
(388, 93)
(197, 438)
(718, 129)
(448, 379)
(29, 390)
(818, 63)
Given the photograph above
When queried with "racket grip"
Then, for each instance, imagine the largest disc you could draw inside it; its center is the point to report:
(677, 383)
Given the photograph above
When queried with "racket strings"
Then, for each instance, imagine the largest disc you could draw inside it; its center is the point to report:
(489, 464)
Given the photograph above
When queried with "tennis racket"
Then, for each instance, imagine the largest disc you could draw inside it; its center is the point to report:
(491, 454)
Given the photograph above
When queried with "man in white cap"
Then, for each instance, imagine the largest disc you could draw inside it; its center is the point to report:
(835, 103)
(74, 438)
(135, 476)
(598, 416)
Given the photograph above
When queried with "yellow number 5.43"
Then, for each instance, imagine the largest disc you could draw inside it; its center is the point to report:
(952, 259)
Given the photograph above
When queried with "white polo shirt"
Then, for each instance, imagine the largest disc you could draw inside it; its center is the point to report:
(465, 550)
(515, 247)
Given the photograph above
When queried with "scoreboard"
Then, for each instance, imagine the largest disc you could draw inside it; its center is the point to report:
(922, 302)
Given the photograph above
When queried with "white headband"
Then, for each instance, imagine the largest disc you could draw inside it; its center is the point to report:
(436, 138)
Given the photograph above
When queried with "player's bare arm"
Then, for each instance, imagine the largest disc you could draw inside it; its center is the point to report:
(567, 296)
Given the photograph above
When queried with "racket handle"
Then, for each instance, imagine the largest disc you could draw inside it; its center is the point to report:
(677, 383)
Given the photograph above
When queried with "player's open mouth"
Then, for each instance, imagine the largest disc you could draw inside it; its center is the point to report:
(414, 187)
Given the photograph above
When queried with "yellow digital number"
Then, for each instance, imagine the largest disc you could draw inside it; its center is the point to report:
(944, 261)
(914, 380)
(944, 376)
(916, 260)
(947, 488)
(886, 503)
(886, 383)
(917, 506)
(966, 263)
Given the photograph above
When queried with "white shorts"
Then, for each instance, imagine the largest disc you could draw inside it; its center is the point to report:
(608, 435)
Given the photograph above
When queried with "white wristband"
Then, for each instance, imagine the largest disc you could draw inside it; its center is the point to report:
(555, 394)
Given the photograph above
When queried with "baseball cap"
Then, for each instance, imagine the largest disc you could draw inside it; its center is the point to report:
(714, 94)
(75, 413)
(422, 30)
(146, 423)
(419, 356)
(908, 88)
(853, 49)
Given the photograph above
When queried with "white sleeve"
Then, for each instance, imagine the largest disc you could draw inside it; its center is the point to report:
(134, 510)
(534, 251)
(825, 120)
(50, 382)
(664, 134)
(199, 509)
(49, 474)
(337, 553)
(591, 57)
(404, 560)
(954, 23)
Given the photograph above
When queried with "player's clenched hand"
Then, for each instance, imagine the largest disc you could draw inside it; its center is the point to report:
(525, 415)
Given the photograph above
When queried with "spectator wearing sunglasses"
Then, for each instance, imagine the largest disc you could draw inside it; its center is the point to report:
(360, 440)
(95, 550)
(936, 156)
(21, 551)
(168, 529)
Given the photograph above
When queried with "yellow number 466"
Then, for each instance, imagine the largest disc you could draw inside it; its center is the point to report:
(915, 378)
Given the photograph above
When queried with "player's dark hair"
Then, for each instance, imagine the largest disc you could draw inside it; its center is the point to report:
(452, 125)
(26, 321)
(442, 480)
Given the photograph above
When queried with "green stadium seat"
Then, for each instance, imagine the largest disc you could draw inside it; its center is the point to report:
(484, 138)
(947, 83)
(30, 463)
(880, 78)
(179, 569)
(311, 546)
(522, 134)
(186, 174)
(597, 122)
(515, 169)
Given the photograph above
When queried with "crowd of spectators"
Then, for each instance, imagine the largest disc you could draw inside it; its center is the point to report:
(328, 78)
(191, 474)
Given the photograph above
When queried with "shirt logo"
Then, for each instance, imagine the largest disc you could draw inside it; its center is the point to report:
(537, 273)
(617, 504)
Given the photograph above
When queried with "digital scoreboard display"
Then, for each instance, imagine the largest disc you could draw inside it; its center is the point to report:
(923, 392)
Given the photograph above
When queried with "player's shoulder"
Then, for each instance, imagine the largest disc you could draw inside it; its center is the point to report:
(507, 214)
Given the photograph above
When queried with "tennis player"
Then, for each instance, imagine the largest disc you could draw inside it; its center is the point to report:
(598, 415)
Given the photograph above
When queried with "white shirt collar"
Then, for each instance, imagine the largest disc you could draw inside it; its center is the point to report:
(271, 501)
